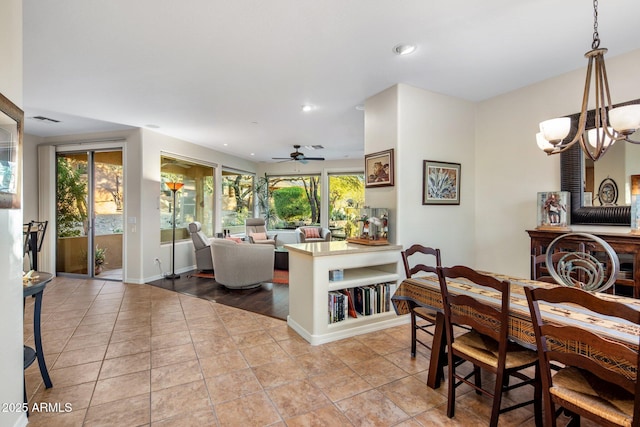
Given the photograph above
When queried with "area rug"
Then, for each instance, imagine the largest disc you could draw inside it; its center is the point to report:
(279, 276)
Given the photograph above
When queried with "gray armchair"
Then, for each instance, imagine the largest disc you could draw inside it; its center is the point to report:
(307, 235)
(241, 265)
(257, 227)
(201, 245)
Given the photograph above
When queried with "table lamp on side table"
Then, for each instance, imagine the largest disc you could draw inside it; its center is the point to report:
(174, 187)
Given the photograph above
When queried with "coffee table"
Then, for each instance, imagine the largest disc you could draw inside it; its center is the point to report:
(281, 260)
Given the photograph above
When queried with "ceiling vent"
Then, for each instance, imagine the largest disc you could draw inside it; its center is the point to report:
(313, 147)
(45, 119)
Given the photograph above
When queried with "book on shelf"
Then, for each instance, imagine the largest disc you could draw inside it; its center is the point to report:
(338, 307)
(351, 310)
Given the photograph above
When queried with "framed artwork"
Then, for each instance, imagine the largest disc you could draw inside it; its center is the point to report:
(11, 118)
(440, 183)
(379, 169)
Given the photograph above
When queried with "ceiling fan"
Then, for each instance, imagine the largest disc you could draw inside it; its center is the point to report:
(297, 156)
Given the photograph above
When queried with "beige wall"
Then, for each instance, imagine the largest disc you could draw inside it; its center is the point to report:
(422, 125)
(502, 168)
(11, 370)
(510, 169)
(441, 128)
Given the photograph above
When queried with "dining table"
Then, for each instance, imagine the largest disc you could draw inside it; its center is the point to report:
(425, 291)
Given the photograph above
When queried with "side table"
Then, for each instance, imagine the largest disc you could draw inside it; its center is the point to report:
(35, 287)
(281, 258)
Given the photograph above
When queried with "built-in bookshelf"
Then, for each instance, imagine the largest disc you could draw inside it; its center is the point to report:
(360, 301)
(324, 276)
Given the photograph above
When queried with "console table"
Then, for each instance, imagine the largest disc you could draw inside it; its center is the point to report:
(35, 287)
(627, 246)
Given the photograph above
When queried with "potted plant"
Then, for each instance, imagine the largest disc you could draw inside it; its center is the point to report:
(99, 259)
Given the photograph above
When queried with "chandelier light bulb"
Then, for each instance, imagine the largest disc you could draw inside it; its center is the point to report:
(626, 119)
(595, 133)
(555, 130)
(543, 144)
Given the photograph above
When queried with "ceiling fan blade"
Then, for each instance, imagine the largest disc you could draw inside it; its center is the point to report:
(281, 158)
(314, 158)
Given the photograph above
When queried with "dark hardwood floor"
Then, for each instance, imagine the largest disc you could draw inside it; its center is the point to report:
(270, 299)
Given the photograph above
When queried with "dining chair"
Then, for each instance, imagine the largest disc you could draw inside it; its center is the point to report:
(586, 385)
(486, 346)
(422, 318)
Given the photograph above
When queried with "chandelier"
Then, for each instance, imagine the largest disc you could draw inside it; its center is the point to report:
(611, 124)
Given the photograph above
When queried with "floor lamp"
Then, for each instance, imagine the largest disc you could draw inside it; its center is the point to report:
(174, 186)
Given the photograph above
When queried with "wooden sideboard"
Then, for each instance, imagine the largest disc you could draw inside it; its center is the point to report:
(627, 246)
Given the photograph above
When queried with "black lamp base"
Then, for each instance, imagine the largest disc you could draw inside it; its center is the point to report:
(172, 276)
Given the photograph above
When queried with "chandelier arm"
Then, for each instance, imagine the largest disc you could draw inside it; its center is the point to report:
(585, 148)
(630, 140)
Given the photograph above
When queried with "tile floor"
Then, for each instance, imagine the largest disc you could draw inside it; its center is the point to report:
(137, 355)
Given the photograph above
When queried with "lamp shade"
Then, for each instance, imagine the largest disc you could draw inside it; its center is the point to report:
(625, 119)
(555, 130)
(175, 186)
(543, 144)
(592, 136)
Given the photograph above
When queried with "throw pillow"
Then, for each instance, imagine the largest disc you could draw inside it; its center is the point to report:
(311, 233)
(234, 239)
(259, 236)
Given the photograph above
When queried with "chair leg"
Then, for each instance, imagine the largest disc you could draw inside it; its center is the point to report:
(477, 376)
(537, 397)
(451, 404)
(497, 400)
(413, 334)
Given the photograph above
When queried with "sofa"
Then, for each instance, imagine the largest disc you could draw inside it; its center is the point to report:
(201, 245)
(242, 265)
(309, 234)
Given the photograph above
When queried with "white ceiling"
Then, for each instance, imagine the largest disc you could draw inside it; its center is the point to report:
(216, 72)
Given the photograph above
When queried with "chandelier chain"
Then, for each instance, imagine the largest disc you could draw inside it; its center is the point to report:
(596, 37)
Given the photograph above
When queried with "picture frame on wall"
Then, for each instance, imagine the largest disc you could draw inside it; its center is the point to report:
(11, 120)
(440, 183)
(379, 169)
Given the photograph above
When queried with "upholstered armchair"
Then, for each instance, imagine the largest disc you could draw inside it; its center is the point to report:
(256, 232)
(241, 265)
(201, 245)
(312, 234)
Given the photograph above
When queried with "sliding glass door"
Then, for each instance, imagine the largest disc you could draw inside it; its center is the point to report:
(89, 214)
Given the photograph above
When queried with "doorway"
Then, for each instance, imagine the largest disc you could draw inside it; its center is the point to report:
(90, 214)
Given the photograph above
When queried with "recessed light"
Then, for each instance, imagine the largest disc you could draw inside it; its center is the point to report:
(225, 144)
(307, 107)
(404, 49)
(253, 154)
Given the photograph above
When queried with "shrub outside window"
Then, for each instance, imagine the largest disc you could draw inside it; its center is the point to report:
(237, 199)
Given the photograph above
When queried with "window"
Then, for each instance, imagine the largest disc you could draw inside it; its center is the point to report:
(194, 202)
(237, 199)
(291, 200)
(346, 198)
